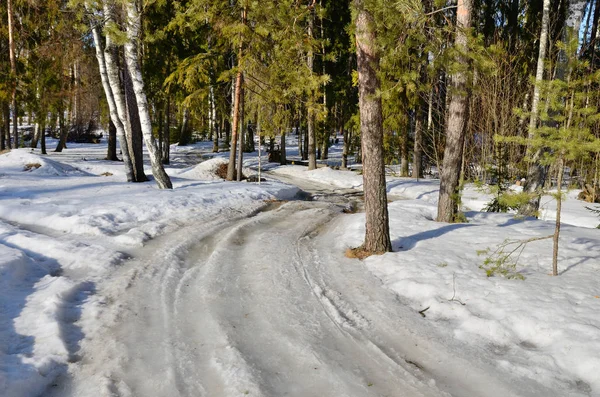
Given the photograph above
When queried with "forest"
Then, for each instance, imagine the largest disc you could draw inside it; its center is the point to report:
(299, 197)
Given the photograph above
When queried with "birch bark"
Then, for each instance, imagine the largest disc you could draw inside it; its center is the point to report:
(133, 64)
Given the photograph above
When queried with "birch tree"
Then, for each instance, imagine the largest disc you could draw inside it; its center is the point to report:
(133, 64)
(536, 172)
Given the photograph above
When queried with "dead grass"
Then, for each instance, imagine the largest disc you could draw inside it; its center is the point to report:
(31, 166)
(4, 151)
(359, 253)
(107, 174)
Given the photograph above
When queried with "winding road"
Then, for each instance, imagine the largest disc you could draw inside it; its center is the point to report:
(264, 306)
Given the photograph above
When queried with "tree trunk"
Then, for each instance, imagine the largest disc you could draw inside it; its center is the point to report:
(185, 133)
(43, 135)
(166, 154)
(404, 155)
(109, 76)
(111, 153)
(345, 150)
(305, 144)
(13, 71)
(236, 111)
(455, 130)
(312, 139)
(561, 167)
(377, 234)
(417, 170)
(133, 64)
(282, 158)
(135, 141)
(212, 122)
(62, 140)
(240, 159)
(4, 127)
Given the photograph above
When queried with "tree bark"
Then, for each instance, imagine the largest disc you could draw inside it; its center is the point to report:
(417, 170)
(212, 119)
(135, 141)
(236, 111)
(166, 149)
(62, 140)
(282, 158)
(312, 139)
(377, 234)
(185, 133)
(5, 125)
(240, 158)
(133, 64)
(555, 237)
(455, 130)
(108, 75)
(43, 135)
(111, 153)
(404, 155)
(13, 71)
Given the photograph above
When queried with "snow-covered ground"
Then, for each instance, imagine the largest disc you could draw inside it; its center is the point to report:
(96, 292)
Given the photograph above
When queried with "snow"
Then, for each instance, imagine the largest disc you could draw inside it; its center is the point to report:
(101, 292)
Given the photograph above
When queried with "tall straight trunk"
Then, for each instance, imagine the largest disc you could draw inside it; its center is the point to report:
(455, 129)
(111, 153)
(312, 139)
(135, 141)
(109, 76)
(185, 133)
(236, 111)
(299, 134)
(345, 149)
(594, 31)
(282, 158)
(305, 144)
(212, 119)
(240, 158)
(133, 64)
(166, 153)
(377, 233)
(62, 140)
(43, 134)
(4, 127)
(417, 170)
(36, 135)
(536, 173)
(555, 237)
(13, 70)
(404, 155)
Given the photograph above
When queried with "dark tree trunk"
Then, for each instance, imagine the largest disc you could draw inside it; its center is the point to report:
(43, 136)
(417, 169)
(345, 149)
(305, 145)
(4, 130)
(166, 153)
(377, 234)
(282, 158)
(455, 130)
(136, 145)
(236, 112)
(185, 136)
(111, 153)
(404, 154)
(241, 134)
(62, 140)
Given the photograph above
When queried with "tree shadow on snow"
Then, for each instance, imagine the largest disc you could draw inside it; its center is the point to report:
(409, 242)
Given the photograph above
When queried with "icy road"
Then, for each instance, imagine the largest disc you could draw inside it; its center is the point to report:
(262, 306)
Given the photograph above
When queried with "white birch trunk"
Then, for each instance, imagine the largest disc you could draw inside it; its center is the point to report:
(133, 64)
(112, 106)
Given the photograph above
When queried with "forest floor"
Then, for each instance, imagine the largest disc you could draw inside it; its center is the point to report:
(223, 288)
